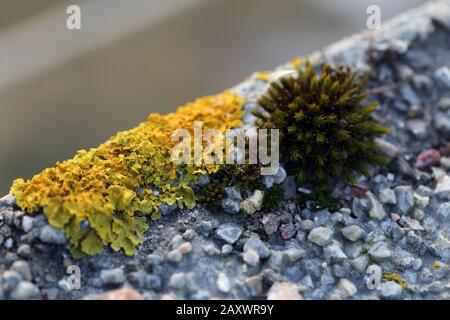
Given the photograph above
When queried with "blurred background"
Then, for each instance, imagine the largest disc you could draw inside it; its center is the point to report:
(63, 90)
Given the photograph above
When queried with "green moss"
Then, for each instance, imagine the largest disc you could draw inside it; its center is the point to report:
(326, 130)
(273, 198)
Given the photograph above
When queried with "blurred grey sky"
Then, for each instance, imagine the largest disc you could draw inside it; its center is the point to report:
(62, 90)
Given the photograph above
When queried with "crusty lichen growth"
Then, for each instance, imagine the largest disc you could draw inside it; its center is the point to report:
(103, 196)
(392, 276)
(326, 130)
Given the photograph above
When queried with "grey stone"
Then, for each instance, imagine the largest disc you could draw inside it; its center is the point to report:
(229, 232)
(347, 288)
(278, 260)
(176, 241)
(177, 281)
(334, 252)
(251, 257)
(270, 223)
(280, 176)
(24, 250)
(287, 231)
(387, 148)
(360, 263)
(23, 268)
(112, 276)
(226, 249)
(166, 209)
(405, 199)
(204, 180)
(255, 285)
(321, 236)
(24, 290)
(27, 223)
(380, 251)
(233, 193)
(442, 76)
(188, 234)
(376, 211)
(443, 211)
(223, 283)
(11, 280)
(254, 243)
(390, 290)
(51, 235)
(174, 256)
(284, 291)
(352, 233)
(155, 258)
(289, 187)
(387, 196)
(295, 254)
(185, 248)
(8, 200)
(230, 206)
(442, 123)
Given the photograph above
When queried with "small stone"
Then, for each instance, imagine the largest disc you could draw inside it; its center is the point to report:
(295, 254)
(270, 223)
(405, 199)
(387, 148)
(23, 268)
(254, 243)
(442, 123)
(211, 250)
(444, 103)
(11, 280)
(8, 201)
(280, 176)
(380, 251)
(233, 193)
(188, 235)
(443, 211)
(223, 283)
(278, 260)
(24, 290)
(204, 180)
(442, 76)
(306, 225)
(376, 211)
(112, 276)
(226, 249)
(174, 256)
(427, 159)
(176, 241)
(255, 285)
(229, 232)
(360, 263)
(391, 290)
(119, 294)
(155, 258)
(185, 248)
(230, 206)
(347, 288)
(417, 127)
(52, 236)
(352, 233)
(251, 257)
(24, 250)
(443, 188)
(27, 223)
(284, 291)
(166, 209)
(387, 196)
(320, 236)
(177, 281)
(334, 252)
(253, 203)
(287, 231)
(289, 188)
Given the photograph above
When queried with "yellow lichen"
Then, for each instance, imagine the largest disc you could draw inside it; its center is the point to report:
(263, 75)
(392, 276)
(297, 62)
(102, 196)
(437, 265)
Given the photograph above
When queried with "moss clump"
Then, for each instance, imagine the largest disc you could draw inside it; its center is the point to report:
(326, 131)
(392, 276)
(112, 189)
(273, 198)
